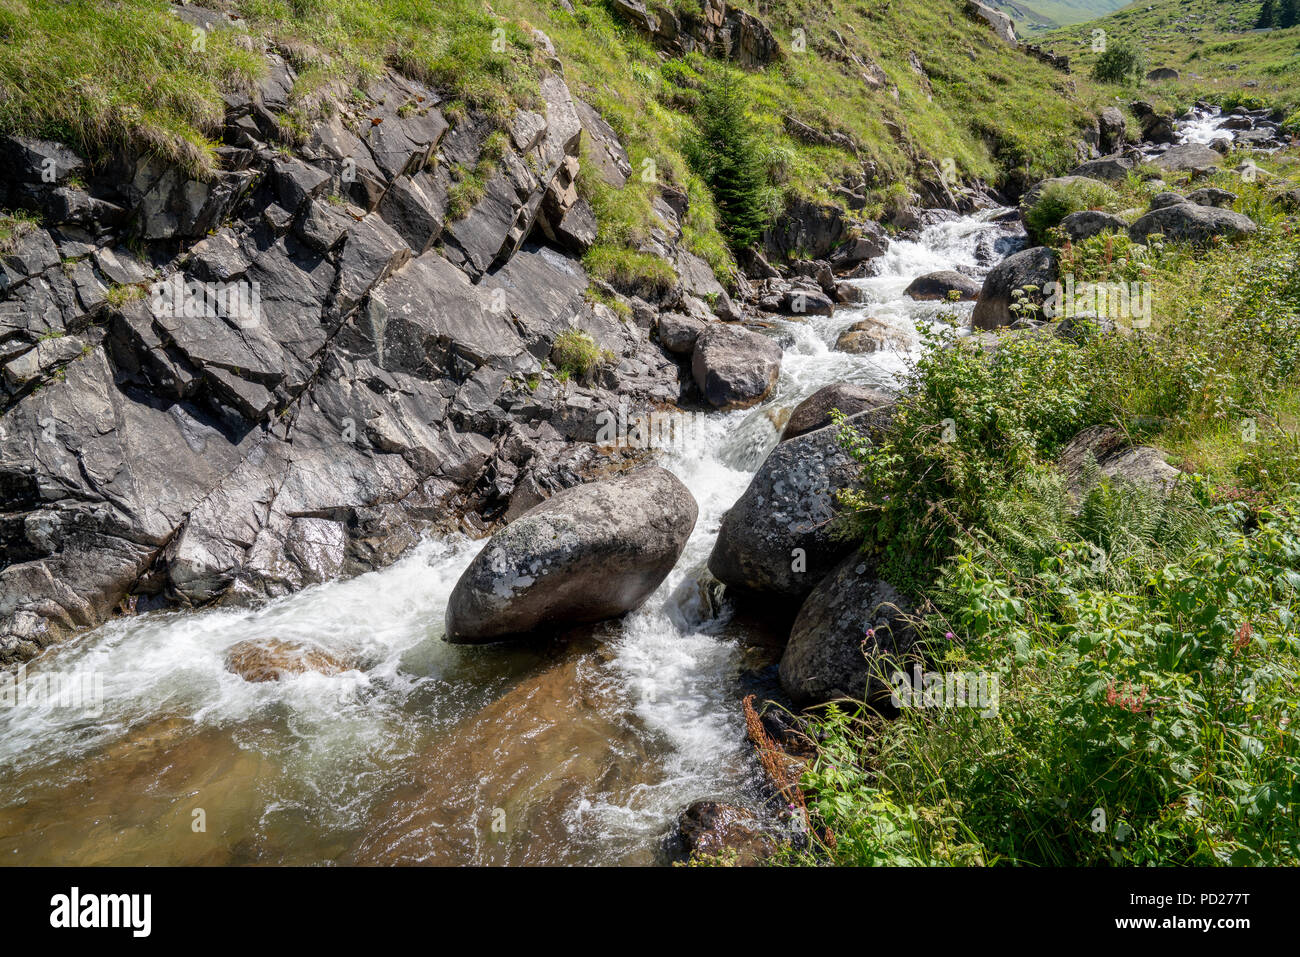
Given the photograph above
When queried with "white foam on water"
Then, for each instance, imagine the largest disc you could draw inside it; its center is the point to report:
(672, 663)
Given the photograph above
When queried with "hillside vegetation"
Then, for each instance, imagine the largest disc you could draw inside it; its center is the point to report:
(1145, 648)
(1213, 44)
(1038, 15)
(911, 85)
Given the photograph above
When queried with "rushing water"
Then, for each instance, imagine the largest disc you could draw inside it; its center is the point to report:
(578, 752)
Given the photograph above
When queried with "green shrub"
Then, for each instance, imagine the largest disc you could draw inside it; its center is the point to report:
(576, 354)
(967, 422)
(1143, 724)
(1058, 200)
(1122, 62)
(1235, 98)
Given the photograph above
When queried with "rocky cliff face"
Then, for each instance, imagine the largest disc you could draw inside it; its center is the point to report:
(222, 390)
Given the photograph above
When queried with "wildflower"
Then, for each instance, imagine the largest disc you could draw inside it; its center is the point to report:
(949, 635)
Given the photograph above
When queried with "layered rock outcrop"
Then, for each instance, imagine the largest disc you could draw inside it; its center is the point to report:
(224, 389)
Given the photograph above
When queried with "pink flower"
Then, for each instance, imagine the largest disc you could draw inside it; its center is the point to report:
(949, 635)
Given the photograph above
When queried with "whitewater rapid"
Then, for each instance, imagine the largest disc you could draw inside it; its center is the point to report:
(587, 753)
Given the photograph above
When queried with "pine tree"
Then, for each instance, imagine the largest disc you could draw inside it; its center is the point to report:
(1288, 14)
(729, 158)
(1267, 14)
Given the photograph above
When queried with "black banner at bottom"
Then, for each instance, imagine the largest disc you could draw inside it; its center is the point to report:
(335, 905)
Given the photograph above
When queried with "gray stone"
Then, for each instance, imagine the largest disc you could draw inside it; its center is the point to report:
(814, 412)
(1187, 222)
(779, 538)
(1090, 222)
(852, 635)
(587, 553)
(734, 367)
(1212, 196)
(1108, 451)
(1186, 156)
(1031, 267)
(678, 332)
(938, 286)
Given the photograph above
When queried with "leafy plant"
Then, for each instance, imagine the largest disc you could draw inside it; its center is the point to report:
(1122, 62)
(1058, 199)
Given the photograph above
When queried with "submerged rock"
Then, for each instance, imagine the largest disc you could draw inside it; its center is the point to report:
(725, 833)
(275, 659)
(852, 634)
(587, 553)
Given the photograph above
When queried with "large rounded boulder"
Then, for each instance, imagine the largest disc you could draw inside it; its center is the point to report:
(1186, 156)
(734, 366)
(1031, 267)
(778, 539)
(587, 553)
(1188, 223)
(851, 636)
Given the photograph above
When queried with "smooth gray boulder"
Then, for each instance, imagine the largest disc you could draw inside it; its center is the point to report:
(850, 637)
(1029, 267)
(587, 553)
(1090, 222)
(1189, 223)
(814, 412)
(1114, 168)
(778, 539)
(1186, 156)
(937, 286)
(735, 367)
(798, 300)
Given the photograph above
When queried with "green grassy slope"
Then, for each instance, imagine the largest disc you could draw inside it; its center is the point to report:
(1211, 43)
(1037, 15)
(97, 74)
